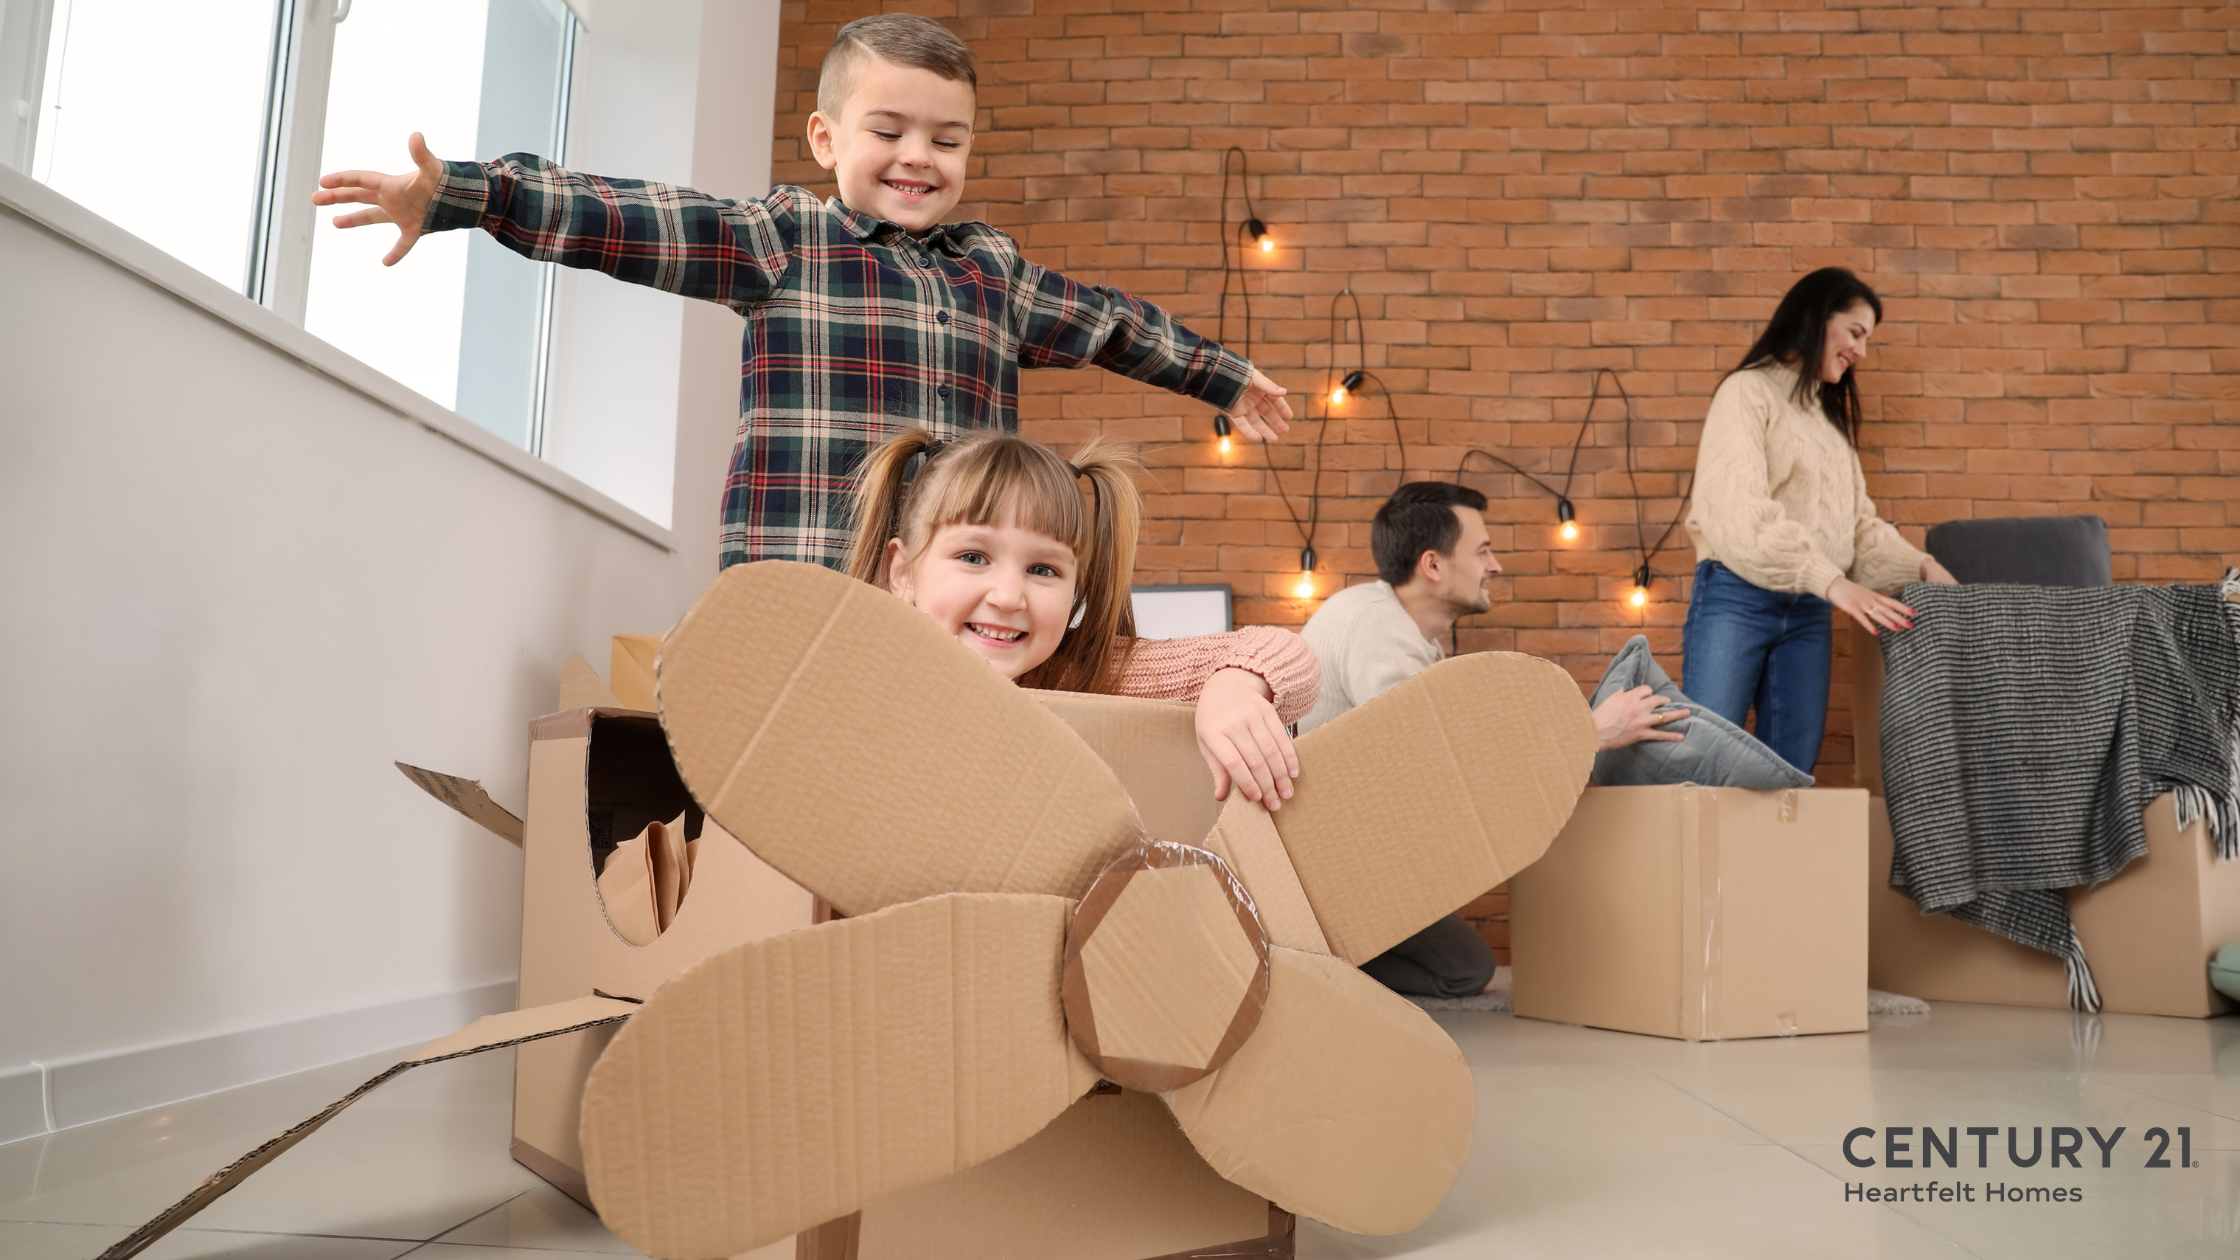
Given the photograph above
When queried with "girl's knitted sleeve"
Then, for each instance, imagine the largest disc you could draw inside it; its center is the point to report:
(1177, 669)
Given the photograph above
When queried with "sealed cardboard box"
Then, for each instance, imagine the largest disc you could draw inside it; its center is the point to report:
(1698, 913)
(2148, 933)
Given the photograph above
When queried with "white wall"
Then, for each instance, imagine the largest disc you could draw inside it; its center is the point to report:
(233, 589)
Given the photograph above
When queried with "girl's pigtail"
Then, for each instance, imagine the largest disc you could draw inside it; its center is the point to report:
(878, 502)
(1108, 625)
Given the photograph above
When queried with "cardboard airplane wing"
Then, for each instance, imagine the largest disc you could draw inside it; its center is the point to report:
(974, 1000)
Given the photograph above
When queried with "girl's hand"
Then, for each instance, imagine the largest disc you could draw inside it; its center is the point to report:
(1931, 571)
(1241, 739)
(1874, 613)
(1261, 413)
(399, 199)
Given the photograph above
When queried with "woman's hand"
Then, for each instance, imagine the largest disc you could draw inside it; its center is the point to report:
(1261, 413)
(1629, 717)
(1931, 571)
(1874, 613)
(399, 199)
(1242, 740)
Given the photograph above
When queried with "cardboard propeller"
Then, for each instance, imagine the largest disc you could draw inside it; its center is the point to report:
(1012, 936)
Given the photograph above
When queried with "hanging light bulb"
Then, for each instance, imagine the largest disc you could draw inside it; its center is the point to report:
(1221, 433)
(1639, 596)
(1351, 383)
(1305, 588)
(1258, 231)
(1565, 513)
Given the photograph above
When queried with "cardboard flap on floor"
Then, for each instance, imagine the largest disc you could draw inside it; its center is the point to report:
(837, 732)
(468, 797)
(1462, 775)
(491, 1032)
(792, 1080)
(1347, 1104)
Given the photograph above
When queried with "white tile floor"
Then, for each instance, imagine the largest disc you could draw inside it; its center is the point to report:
(1589, 1144)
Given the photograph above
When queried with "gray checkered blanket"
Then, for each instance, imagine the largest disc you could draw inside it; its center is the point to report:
(2024, 729)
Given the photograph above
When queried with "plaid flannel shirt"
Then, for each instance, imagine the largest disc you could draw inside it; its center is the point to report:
(855, 329)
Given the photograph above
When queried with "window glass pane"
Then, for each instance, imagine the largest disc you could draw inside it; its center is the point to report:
(152, 114)
(400, 66)
(461, 319)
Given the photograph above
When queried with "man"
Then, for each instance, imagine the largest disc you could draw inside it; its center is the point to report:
(1433, 562)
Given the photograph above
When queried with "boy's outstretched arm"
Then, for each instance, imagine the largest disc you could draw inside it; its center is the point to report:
(660, 235)
(1062, 323)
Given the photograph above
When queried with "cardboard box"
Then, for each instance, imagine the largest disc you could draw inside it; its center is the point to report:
(2148, 933)
(598, 776)
(1698, 913)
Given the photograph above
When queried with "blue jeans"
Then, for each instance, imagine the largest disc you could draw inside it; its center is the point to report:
(1745, 645)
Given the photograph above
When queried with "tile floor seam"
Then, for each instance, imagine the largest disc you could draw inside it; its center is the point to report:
(1793, 1153)
(438, 1235)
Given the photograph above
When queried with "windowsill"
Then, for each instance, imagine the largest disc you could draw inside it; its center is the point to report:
(66, 218)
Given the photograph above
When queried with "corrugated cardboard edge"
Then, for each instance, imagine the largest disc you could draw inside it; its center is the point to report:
(468, 797)
(492, 1032)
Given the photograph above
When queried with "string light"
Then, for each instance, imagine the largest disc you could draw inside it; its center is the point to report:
(1565, 513)
(1252, 228)
(1351, 383)
(1258, 231)
(1639, 595)
(1221, 432)
(1305, 588)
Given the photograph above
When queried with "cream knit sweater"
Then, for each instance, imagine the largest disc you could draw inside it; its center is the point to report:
(1780, 498)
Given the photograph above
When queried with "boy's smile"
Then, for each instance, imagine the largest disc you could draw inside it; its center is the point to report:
(899, 147)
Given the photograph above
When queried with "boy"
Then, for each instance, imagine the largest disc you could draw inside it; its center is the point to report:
(864, 313)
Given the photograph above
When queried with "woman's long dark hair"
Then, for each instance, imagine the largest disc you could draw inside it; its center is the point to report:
(1798, 333)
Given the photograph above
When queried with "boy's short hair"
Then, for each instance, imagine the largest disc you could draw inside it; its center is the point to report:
(902, 38)
(1419, 517)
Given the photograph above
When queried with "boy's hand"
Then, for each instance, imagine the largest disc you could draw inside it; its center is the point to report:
(1261, 413)
(399, 199)
(1241, 739)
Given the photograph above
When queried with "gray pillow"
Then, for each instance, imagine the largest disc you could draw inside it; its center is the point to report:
(1715, 752)
(2028, 550)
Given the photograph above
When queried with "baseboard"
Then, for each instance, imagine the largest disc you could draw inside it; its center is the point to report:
(23, 1102)
(56, 1094)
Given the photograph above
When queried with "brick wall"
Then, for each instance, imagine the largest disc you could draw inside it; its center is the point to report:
(1521, 193)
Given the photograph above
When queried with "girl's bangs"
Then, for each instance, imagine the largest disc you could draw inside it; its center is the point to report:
(996, 483)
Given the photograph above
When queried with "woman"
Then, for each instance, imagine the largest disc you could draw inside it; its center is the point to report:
(1782, 524)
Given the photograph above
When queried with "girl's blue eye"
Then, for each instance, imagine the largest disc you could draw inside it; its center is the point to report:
(1043, 570)
(972, 557)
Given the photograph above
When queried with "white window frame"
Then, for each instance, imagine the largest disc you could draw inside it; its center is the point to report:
(271, 300)
(299, 70)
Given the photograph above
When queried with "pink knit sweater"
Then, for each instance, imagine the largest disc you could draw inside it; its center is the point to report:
(1177, 669)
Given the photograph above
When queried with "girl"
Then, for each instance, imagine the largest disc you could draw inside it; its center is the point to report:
(994, 540)
(1782, 523)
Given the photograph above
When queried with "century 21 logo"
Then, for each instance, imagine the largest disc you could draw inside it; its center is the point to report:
(1898, 1147)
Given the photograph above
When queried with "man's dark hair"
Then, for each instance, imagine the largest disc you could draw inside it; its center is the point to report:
(1419, 517)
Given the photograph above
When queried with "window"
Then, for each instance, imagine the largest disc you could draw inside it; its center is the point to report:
(463, 320)
(203, 128)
